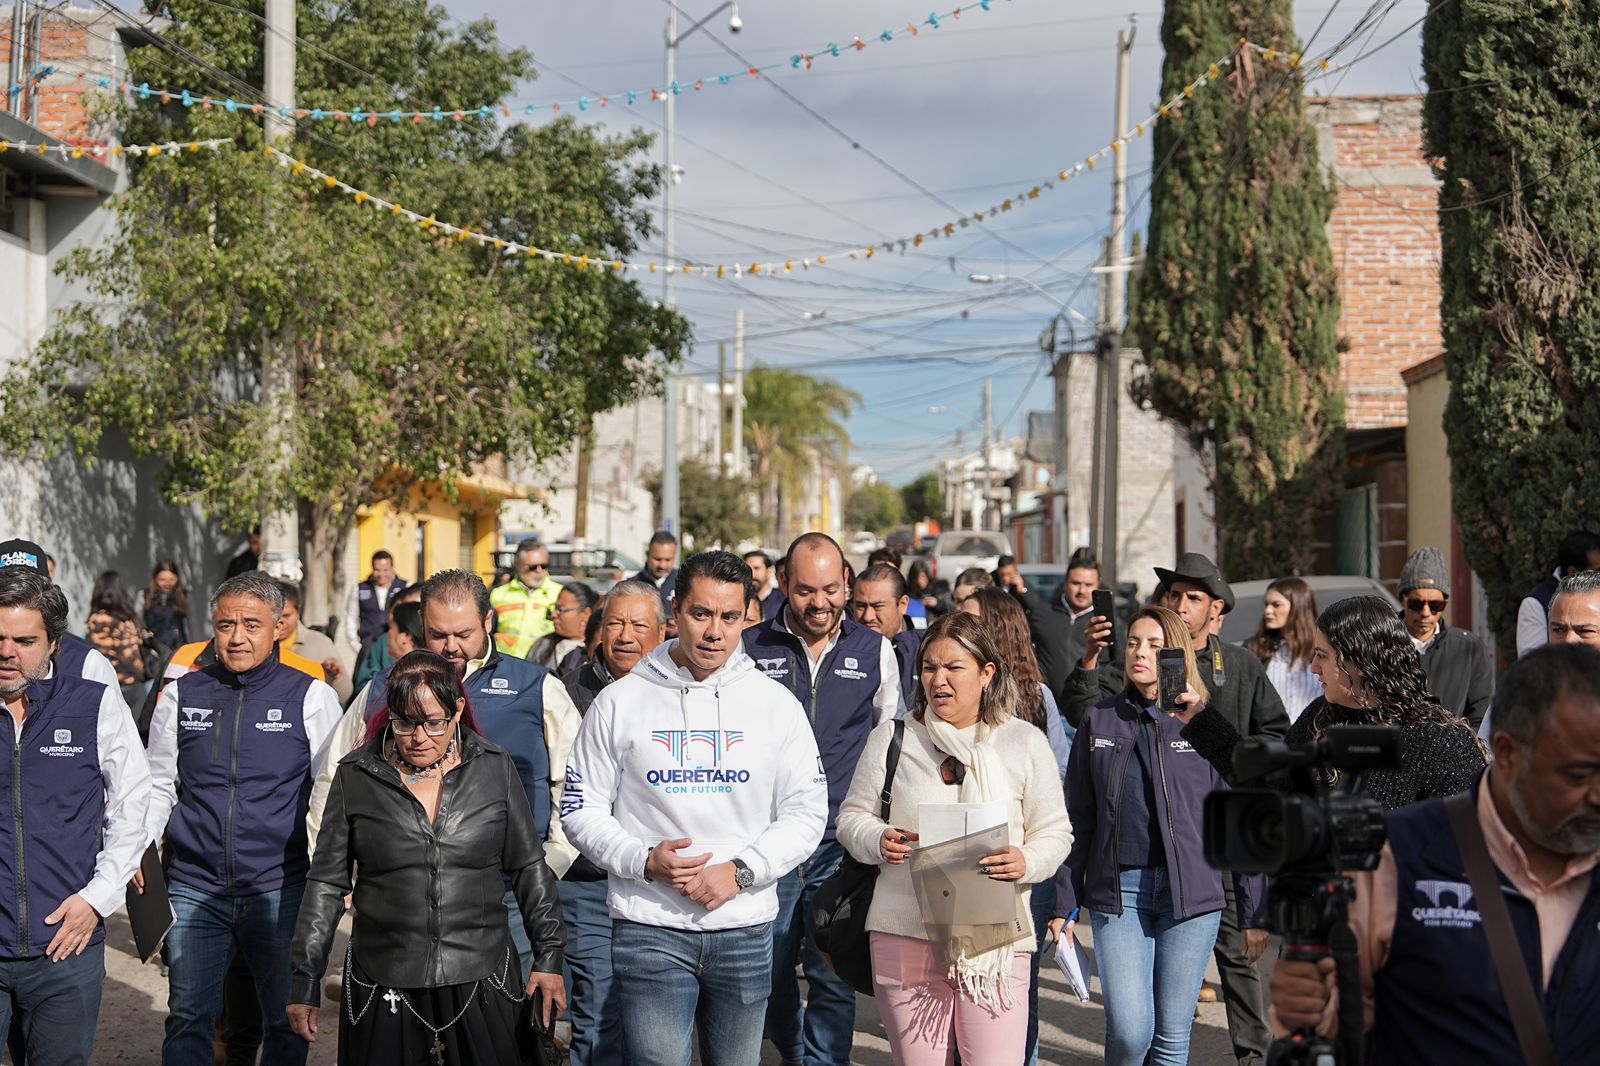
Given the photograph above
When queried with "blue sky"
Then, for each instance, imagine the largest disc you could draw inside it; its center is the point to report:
(957, 118)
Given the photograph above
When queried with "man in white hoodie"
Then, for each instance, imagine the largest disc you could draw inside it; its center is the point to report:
(695, 784)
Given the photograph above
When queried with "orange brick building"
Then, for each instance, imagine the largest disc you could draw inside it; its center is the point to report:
(1385, 240)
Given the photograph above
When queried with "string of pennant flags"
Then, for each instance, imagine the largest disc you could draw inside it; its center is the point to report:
(802, 61)
(300, 168)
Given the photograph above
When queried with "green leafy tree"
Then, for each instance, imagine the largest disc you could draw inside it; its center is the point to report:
(875, 507)
(715, 507)
(414, 355)
(1519, 196)
(795, 425)
(1237, 306)
(923, 496)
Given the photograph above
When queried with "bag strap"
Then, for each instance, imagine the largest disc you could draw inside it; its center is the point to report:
(891, 761)
(1526, 1016)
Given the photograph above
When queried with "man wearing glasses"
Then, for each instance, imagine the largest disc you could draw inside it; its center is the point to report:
(522, 606)
(1457, 663)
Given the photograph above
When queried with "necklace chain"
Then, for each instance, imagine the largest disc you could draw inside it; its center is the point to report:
(411, 771)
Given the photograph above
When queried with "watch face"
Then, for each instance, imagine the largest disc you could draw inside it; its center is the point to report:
(743, 876)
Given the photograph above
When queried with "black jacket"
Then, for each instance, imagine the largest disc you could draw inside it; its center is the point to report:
(1245, 697)
(1058, 638)
(1459, 673)
(1183, 778)
(428, 908)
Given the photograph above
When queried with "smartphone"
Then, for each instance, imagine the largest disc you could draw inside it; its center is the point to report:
(1174, 677)
(1104, 606)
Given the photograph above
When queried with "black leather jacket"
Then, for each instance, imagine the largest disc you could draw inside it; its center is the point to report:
(428, 908)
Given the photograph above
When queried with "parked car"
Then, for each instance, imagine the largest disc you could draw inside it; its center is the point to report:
(597, 566)
(863, 543)
(1240, 624)
(1044, 579)
(956, 551)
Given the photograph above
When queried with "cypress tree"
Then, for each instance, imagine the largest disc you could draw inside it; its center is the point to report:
(1237, 304)
(1511, 119)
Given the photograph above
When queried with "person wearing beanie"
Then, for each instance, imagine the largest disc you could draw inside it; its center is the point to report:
(1456, 662)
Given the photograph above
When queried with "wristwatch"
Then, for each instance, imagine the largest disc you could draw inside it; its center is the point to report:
(743, 876)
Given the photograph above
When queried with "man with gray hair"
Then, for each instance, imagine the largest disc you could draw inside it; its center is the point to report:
(233, 749)
(1574, 619)
(80, 787)
(632, 626)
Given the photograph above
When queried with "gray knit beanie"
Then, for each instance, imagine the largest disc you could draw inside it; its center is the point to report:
(1425, 570)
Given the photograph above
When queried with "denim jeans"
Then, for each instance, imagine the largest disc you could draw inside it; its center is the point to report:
(1041, 900)
(56, 1003)
(820, 1032)
(207, 930)
(671, 982)
(591, 992)
(519, 935)
(1151, 969)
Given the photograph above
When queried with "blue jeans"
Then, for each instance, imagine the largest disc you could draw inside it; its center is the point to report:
(591, 993)
(671, 982)
(207, 930)
(820, 1032)
(1041, 899)
(1151, 969)
(519, 935)
(56, 1003)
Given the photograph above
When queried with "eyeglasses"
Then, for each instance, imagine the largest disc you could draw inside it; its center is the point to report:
(531, 567)
(564, 610)
(952, 771)
(1418, 606)
(434, 727)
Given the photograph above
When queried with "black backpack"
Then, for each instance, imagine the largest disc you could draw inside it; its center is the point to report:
(839, 909)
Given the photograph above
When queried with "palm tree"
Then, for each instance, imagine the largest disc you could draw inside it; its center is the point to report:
(794, 423)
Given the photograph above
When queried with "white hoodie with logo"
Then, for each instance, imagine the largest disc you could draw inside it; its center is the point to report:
(729, 762)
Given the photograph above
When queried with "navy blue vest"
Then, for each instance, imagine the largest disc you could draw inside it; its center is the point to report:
(1437, 999)
(1545, 591)
(57, 804)
(371, 617)
(840, 708)
(70, 654)
(507, 699)
(244, 775)
(907, 646)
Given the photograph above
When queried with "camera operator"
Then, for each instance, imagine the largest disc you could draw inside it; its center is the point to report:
(1425, 932)
(1371, 675)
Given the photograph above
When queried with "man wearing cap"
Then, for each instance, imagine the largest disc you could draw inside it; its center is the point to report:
(73, 655)
(1457, 663)
(1240, 691)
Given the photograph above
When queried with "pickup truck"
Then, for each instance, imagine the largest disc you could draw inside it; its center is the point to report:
(960, 549)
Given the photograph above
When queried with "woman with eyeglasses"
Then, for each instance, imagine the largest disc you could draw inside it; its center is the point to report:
(431, 813)
(1284, 640)
(965, 743)
(570, 615)
(1371, 675)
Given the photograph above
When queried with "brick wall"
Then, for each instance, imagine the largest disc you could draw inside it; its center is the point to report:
(81, 44)
(1385, 239)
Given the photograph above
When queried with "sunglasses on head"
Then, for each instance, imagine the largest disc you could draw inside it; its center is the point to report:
(952, 771)
(1418, 605)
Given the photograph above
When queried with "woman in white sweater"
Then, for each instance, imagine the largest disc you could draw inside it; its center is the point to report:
(964, 744)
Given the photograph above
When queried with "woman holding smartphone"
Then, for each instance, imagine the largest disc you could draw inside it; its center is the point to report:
(1135, 792)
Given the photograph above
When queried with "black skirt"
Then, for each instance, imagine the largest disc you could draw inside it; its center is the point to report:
(456, 1025)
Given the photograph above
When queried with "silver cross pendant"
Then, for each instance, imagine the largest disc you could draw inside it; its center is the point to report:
(393, 999)
(438, 1049)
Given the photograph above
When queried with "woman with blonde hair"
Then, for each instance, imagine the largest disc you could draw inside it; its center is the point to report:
(1135, 792)
(964, 743)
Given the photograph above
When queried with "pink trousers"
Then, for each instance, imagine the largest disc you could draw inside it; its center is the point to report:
(928, 1019)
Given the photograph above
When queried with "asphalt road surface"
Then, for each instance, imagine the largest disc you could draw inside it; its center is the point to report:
(134, 1006)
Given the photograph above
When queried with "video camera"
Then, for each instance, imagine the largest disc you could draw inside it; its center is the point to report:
(1306, 834)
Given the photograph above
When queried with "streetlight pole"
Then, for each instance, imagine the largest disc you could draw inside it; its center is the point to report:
(1058, 371)
(669, 423)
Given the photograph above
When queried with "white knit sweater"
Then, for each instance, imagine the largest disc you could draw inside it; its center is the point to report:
(1039, 823)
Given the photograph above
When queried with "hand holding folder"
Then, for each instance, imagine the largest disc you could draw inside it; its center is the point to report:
(150, 912)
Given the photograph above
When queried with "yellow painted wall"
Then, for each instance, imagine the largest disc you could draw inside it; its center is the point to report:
(1427, 465)
(443, 533)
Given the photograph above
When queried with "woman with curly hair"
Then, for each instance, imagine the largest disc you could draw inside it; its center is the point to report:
(1284, 642)
(1371, 675)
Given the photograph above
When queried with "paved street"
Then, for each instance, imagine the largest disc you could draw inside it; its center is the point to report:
(135, 1005)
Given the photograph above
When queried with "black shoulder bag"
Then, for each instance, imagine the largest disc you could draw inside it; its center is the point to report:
(839, 909)
(1521, 999)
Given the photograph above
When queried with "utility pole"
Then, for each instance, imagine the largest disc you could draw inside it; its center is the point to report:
(722, 408)
(988, 452)
(280, 529)
(958, 476)
(1113, 310)
(669, 421)
(17, 71)
(738, 393)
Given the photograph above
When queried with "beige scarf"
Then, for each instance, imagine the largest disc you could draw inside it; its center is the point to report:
(983, 973)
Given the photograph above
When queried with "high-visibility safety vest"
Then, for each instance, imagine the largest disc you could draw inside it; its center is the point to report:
(522, 615)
